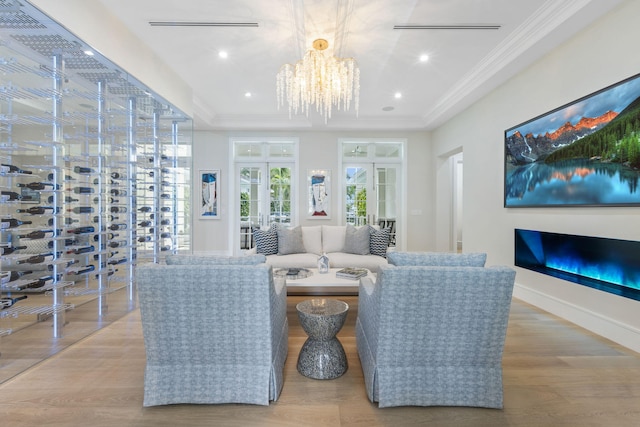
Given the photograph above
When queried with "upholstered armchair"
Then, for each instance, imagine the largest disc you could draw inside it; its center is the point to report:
(213, 332)
(434, 335)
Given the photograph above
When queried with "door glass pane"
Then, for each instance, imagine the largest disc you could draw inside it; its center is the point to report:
(356, 196)
(250, 212)
(386, 199)
(280, 194)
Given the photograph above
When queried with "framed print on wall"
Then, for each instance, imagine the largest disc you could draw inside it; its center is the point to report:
(585, 153)
(210, 194)
(319, 184)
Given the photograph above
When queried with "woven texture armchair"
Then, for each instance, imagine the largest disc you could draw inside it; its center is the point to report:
(434, 336)
(212, 333)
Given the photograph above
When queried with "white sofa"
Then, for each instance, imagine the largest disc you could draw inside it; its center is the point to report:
(345, 246)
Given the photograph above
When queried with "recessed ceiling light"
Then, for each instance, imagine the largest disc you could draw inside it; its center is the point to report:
(397, 95)
(247, 95)
(223, 54)
(424, 57)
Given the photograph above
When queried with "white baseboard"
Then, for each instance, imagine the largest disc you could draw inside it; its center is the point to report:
(621, 333)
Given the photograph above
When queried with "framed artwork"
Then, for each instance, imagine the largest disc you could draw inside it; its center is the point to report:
(319, 184)
(210, 194)
(585, 153)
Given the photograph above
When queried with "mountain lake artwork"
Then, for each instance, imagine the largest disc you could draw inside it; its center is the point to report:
(586, 153)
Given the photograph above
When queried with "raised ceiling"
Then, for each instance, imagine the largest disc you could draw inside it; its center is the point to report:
(463, 64)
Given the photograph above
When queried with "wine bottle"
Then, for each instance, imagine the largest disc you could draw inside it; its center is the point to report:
(83, 170)
(145, 209)
(118, 209)
(66, 177)
(37, 259)
(81, 270)
(118, 175)
(117, 192)
(143, 239)
(67, 242)
(8, 196)
(81, 250)
(38, 210)
(10, 276)
(81, 209)
(11, 223)
(165, 209)
(108, 236)
(82, 230)
(67, 264)
(67, 221)
(10, 250)
(39, 234)
(117, 243)
(165, 235)
(8, 302)
(39, 283)
(121, 226)
(165, 196)
(165, 222)
(81, 190)
(67, 199)
(15, 169)
(165, 248)
(116, 261)
(39, 186)
(144, 223)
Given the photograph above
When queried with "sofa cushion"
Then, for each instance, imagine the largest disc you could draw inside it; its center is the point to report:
(357, 240)
(290, 241)
(379, 241)
(303, 260)
(215, 260)
(266, 241)
(343, 260)
(312, 239)
(444, 259)
(333, 238)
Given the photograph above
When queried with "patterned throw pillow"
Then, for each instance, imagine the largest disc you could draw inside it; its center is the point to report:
(379, 241)
(266, 240)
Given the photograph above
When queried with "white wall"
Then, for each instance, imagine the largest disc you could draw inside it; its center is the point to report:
(601, 55)
(318, 150)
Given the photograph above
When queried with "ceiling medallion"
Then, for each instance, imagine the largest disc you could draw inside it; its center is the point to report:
(320, 80)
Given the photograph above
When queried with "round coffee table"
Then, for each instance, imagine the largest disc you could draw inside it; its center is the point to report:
(322, 356)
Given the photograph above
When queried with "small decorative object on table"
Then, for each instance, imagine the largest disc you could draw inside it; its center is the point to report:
(323, 264)
(292, 273)
(351, 273)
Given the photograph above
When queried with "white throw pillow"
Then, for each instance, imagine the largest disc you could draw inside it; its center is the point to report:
(333, 238)
(312, 239)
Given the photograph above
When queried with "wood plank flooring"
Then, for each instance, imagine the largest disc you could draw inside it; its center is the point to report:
(555, 374)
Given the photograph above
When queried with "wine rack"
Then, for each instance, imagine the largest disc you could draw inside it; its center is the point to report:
(85, 148)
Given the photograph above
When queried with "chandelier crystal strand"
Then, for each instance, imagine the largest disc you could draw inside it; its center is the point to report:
(319, 80)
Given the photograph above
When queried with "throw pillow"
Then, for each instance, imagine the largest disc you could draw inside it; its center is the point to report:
(379, 241)
(266, 241)
(312, 239)
(333, 238)
(290, 241)
(357, 240)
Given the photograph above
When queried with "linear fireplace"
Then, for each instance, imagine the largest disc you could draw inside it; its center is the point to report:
(610, 265)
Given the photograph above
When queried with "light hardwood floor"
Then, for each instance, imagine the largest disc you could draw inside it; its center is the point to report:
(555, 374)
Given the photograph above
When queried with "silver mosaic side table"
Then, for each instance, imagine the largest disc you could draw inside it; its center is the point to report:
(322, 355)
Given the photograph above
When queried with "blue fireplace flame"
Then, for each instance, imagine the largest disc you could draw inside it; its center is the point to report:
(610, 265)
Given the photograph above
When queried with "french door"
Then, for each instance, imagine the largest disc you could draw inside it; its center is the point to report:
(265, 197)
(371, 195)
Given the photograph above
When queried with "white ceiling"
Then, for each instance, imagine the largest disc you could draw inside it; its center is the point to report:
(463, 64)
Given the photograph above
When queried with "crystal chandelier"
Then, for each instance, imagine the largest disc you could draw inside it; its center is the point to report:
(319, 80)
